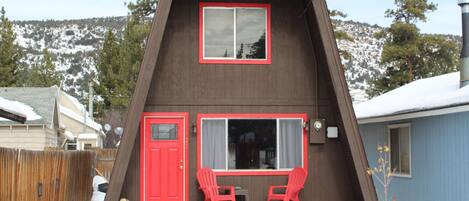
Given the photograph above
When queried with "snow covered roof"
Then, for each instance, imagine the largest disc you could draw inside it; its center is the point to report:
(82, 112)
(18, 108)
(41, 100)
(77, 117)
(426, 94)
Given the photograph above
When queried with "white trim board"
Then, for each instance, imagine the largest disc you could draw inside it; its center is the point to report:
(412, 115)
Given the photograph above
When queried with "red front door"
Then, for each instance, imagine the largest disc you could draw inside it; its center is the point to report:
(164, 158)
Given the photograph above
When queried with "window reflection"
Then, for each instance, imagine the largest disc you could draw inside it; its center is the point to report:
(252, 144)
(163, 132)
(250, 33)
(219, 33)
(235, 33)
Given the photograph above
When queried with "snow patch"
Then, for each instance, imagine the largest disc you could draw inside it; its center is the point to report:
(18, 108)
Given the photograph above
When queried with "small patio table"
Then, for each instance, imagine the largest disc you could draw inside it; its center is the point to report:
(241, 194)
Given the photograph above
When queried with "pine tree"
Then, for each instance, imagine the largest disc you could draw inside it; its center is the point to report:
(132, 50)
(257, 50)
(409, 55)
(143, 8)
(240, 53)
(10, 53)
(44, 73)
(107, 71)
(119, 59)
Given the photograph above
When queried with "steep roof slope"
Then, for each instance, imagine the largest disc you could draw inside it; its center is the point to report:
(38, 104)
(320, 30)
(71, 107)
(421, 95)
(41, 100)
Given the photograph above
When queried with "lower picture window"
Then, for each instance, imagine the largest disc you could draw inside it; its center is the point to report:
(232, 144)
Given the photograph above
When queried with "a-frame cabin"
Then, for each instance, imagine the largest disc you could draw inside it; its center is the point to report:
(241, 87)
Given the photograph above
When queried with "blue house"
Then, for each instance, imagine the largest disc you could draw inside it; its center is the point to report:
(426, 125)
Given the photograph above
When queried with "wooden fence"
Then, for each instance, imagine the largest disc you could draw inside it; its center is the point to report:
(105, 161)
(51, 175)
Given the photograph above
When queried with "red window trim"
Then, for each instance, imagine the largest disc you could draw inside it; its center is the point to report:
(202, 60)
(251, 116)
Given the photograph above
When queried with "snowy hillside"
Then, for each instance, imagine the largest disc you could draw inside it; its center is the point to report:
(366, 51)
(75, 43)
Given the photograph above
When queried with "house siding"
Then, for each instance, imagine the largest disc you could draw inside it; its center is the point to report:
(440, 165)
(297, 81)
(32, 138)
(76, 127)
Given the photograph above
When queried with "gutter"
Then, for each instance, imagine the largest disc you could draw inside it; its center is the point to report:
(449, 109)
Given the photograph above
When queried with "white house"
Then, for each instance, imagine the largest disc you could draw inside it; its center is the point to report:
(53, 119)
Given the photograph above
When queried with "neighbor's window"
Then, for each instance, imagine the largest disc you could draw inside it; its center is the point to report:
(234, 33)
(71, 146)
(87, 146)
(252, 144)
(399, 140)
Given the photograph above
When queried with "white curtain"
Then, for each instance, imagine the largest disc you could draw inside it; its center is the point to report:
(214, 143)
(290, 143)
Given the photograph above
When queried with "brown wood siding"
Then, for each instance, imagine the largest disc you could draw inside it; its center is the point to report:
(181, 80)
(329, 177)
(297, 81)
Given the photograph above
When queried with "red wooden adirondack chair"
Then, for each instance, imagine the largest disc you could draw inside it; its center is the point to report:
(296, 181)
(208, 184)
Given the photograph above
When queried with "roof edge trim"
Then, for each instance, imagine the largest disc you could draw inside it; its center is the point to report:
(415, 114)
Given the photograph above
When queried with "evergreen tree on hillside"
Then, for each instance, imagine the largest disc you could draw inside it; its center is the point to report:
(339, 34)
(44, 73)
(118, 64)
(409, 55)
(132, 49)
(107, 66)
(10, 53)
(119, 60)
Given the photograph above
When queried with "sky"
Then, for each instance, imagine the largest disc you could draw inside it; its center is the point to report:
(446, 20)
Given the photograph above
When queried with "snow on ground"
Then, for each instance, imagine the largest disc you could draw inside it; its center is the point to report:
(18, 108)
(424, 94)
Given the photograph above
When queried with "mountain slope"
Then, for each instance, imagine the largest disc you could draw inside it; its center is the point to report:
(75, 45)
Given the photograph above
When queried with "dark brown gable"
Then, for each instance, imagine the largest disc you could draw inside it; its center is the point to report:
(326, 52)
